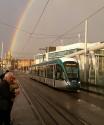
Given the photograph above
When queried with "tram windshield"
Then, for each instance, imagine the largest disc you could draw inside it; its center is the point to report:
(71, 69)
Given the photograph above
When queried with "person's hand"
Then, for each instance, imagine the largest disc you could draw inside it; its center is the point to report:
(17, 91)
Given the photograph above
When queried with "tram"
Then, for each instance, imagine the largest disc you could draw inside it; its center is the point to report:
(61, 73)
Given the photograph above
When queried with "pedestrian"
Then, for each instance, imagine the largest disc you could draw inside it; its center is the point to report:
(5, 99)
(14, 89)
(3, 74)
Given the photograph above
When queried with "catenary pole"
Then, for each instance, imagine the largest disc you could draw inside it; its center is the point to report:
(85, 66)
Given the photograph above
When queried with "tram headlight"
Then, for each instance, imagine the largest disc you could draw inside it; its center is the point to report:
(68, 83)
(79, 82)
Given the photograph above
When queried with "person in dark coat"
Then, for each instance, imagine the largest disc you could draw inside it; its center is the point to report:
(3, 74)
(5, 99)
(14, 89)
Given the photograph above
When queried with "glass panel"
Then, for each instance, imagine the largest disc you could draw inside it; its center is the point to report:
(59, 75)
(71, 69)
(50, 71)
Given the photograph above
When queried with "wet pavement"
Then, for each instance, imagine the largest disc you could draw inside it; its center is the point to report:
(22, 113)
(55, 107)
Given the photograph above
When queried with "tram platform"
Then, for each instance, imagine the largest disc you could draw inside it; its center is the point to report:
(22, 113)
(97, 89)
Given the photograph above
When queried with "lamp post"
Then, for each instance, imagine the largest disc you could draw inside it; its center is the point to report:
(85, 62)
(79, 37)
(2, 56)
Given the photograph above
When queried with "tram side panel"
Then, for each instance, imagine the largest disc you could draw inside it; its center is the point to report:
(49, 78)
(59, 77)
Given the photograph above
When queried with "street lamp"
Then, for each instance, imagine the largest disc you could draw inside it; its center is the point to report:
(85, 69)
(2, 57)
(79, 37)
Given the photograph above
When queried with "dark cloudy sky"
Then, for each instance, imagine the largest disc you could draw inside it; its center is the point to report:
(45, 20)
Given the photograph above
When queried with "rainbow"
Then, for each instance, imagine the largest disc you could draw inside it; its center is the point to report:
(21, 21)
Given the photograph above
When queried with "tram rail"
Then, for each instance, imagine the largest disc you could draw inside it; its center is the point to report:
(53, 114)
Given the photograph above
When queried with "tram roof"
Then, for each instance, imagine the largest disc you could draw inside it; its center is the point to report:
(64, 59)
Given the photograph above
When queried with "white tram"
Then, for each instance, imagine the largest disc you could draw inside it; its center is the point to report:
(61, 73)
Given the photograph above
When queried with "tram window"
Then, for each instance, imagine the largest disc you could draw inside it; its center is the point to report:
(45, 71)
(41, 71)
(37, 71)
(34, 70)
(31, 70)
(59, 74)
(71, 69)
(50, 71)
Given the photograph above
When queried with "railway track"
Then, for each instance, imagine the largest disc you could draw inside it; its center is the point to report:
(50, 113)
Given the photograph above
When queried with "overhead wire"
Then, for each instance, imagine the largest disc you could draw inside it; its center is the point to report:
(33, 34)
(23, 30)
(14, 27)
(74, 27)
(60, 36)
(39, 19)
(37, 23)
